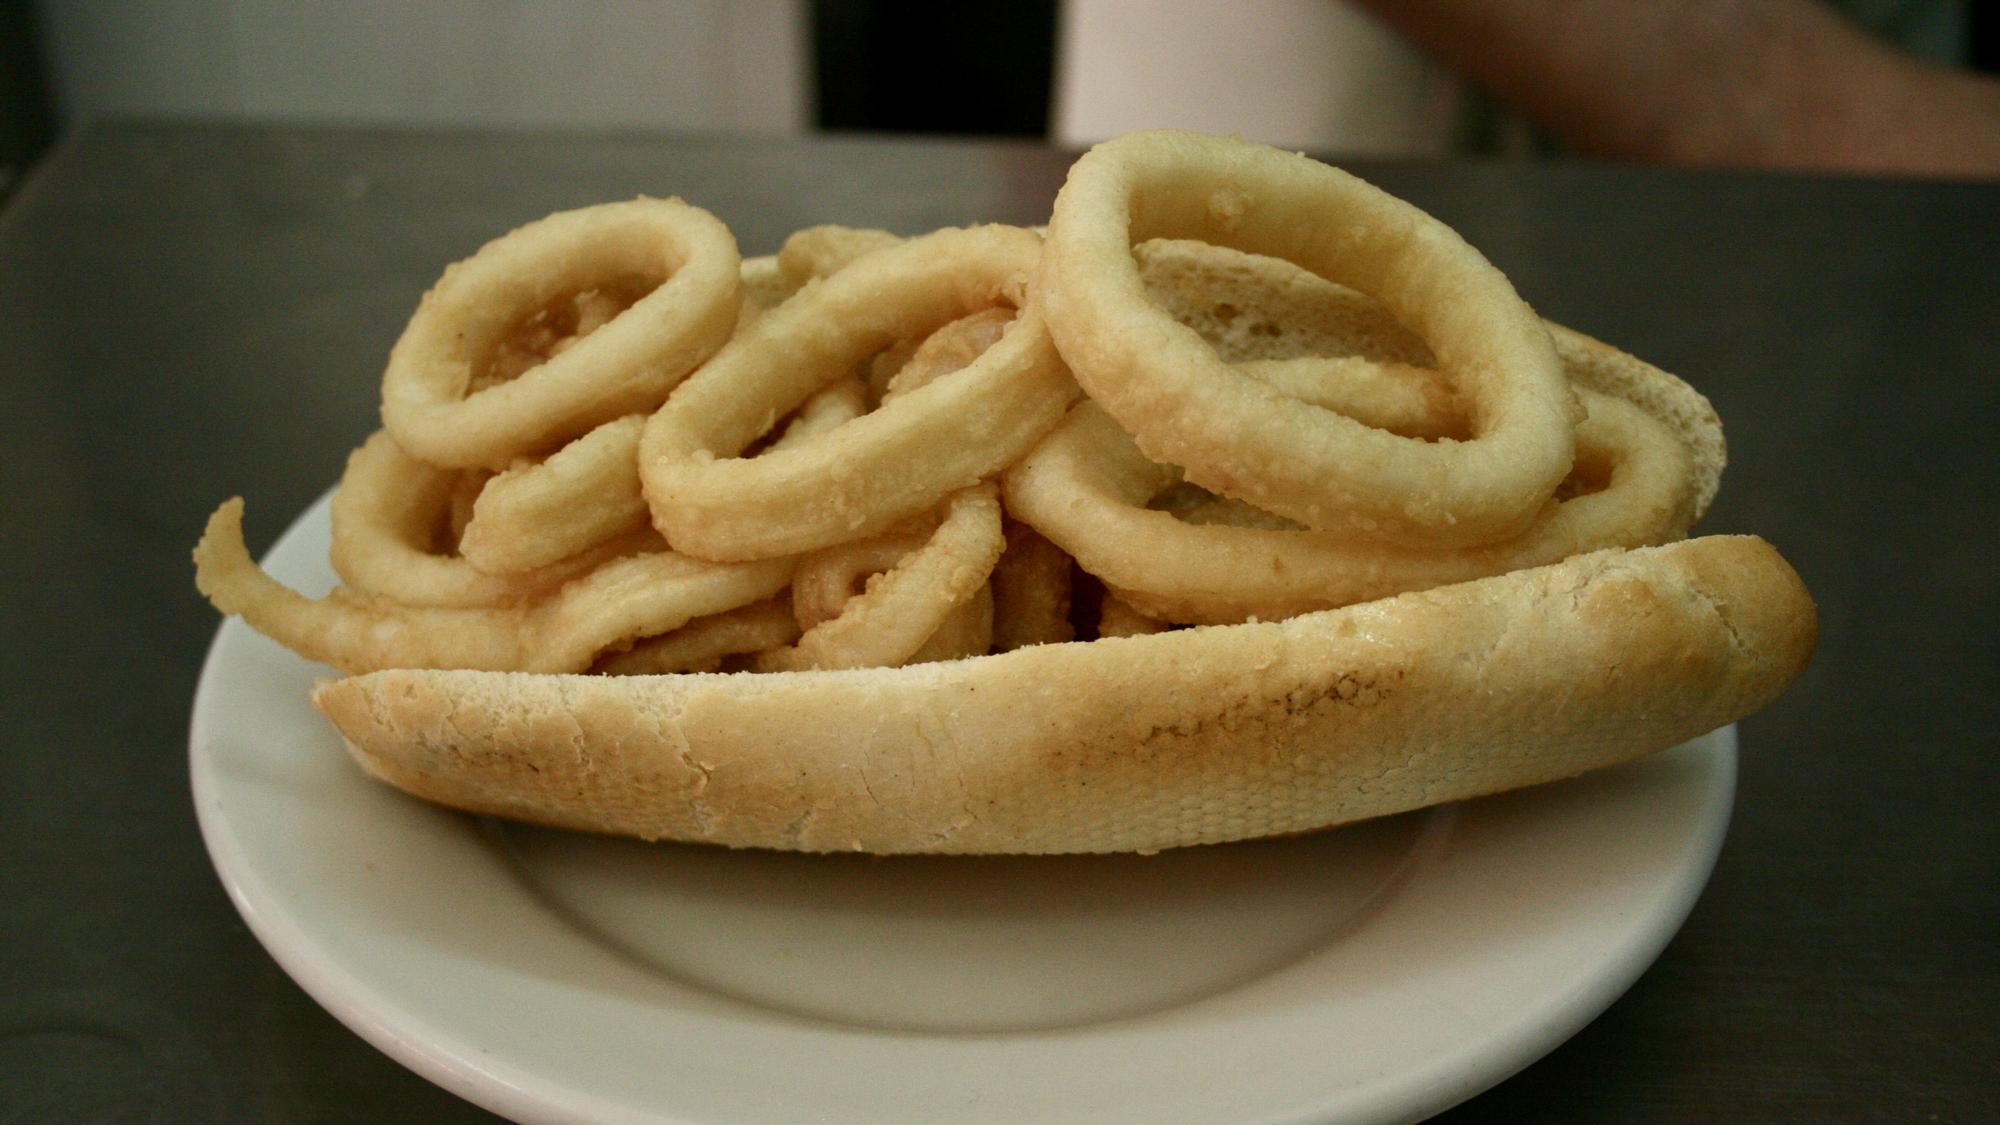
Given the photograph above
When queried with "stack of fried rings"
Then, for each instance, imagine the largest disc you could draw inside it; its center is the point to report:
(611, 445)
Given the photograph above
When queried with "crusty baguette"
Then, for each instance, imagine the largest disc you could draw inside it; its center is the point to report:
(1137, 744)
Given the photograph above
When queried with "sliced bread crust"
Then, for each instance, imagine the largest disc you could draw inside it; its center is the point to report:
(1136, 744)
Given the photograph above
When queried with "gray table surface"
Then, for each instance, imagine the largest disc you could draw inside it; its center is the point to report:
(189, 312)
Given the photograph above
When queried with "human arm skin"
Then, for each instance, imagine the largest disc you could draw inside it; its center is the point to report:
(1767, 83)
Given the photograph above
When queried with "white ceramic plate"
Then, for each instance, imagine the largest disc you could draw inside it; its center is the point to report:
(1380, 972)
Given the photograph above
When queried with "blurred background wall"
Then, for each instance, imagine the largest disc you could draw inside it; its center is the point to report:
(1310, 74)
(652, 64)
(1300, 72)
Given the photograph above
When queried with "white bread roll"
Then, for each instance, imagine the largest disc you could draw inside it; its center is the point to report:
(1196, 736)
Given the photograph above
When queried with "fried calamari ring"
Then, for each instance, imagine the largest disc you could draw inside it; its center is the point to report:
(830, 407)
(581, 495)
(682, 257)
(1252, 308)
(1300, 334)
(638, 596)
(1162, 382)
(966, 631)
(883, 467)
(824, 250)
(703, 644)
(1031, 591)
(392, 535)
(827, 579)
(1116, 617)
(1088, 485)
(1400, 398)
(587, 493)
(889, 622)
(907, 364)
(1191, 503)
(765, 287)
(534, 514)
(950, 348)
(819, 251)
